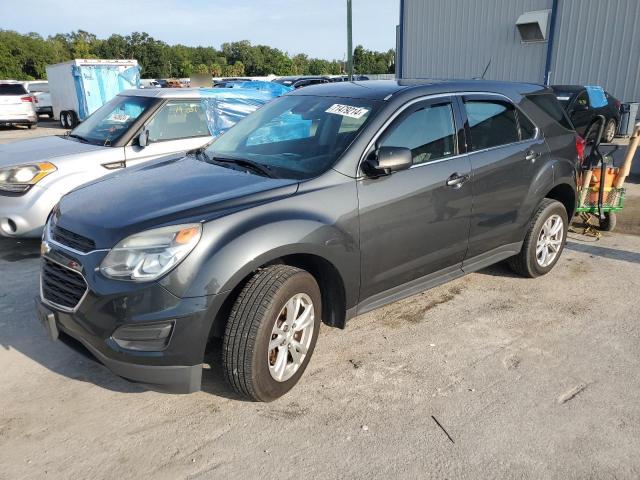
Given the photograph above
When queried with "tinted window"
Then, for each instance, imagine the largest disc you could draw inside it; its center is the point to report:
(12, 89)
(184, 119)
(429, 132)
(492, 123)
(548, 104)
(527, 128)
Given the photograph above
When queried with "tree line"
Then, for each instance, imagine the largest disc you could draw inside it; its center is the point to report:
(25, 57)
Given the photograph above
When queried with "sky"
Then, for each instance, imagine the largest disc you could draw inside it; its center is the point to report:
(314, 27)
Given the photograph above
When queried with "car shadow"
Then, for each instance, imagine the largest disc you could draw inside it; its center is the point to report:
(605, 252)
(21, 331)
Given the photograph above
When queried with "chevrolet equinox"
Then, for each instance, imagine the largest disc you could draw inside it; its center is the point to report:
(326, 203)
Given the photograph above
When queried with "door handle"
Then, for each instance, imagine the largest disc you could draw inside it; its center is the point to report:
(531, 155)
(456, 180)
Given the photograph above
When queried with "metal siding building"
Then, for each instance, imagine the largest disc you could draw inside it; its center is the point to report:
(594, 42)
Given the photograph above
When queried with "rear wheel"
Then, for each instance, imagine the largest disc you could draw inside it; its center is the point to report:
(609, 131)
(32, 126)
(544, 241)
(72, 119)
(63, 119)
(271, 332)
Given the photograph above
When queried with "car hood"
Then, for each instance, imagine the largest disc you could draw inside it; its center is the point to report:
(42, 149)
(165, 192)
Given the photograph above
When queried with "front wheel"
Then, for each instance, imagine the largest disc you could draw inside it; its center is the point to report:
(544, 241)
(271, 332)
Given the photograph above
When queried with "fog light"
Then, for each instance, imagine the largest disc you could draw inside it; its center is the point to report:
(146, 338)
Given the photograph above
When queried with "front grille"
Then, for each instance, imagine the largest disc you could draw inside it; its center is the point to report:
(72, 240)
(62, 286)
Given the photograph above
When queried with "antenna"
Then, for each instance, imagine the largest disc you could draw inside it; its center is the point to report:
(485, 70)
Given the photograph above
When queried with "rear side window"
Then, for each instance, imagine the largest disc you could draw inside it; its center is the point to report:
(492, 123)
(12, 89)
(527, 128)
(429, 132)
(549, 105)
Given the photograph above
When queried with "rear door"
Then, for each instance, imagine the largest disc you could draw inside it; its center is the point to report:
(504, 147)
(177, 127)
(416, 222)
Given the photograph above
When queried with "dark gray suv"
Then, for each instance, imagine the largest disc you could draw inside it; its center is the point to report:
(322, 205)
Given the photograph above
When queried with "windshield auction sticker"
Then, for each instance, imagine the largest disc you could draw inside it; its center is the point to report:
(347, 110)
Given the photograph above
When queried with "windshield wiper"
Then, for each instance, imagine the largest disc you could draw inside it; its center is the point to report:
(246, 164)
(79, 137)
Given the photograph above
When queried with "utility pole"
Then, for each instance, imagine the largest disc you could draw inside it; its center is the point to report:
(349, 42)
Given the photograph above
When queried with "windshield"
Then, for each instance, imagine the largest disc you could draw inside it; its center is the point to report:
(111, 121)
(296, 136)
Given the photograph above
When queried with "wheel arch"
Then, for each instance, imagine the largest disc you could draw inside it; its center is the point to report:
(329, 278)
(566, 195)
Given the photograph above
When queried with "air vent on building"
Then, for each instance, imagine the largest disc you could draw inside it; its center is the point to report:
(533, 26)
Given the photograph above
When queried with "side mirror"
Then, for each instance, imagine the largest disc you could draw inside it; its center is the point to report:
(143, 138)
(387, 160)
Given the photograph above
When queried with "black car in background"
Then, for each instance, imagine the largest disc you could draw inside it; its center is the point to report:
(301, 81)
(578, 105)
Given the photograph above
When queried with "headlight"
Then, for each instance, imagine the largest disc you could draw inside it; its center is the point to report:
(149, 255)
(21, 178)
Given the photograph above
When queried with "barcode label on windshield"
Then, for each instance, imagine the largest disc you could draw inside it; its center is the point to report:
(347, 110)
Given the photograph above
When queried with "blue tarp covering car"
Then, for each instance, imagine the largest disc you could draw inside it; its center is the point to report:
(225, 107)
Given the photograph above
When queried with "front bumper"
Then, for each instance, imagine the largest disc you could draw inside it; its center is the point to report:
(109, 305)
(25, 215)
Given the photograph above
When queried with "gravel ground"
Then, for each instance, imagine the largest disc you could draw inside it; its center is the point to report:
(45, 127)
(529, 378)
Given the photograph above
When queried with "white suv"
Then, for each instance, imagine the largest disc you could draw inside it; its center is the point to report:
(17, 105)
(39, 89)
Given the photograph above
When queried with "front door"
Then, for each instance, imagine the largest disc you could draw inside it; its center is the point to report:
(177, 127)
(416, 222)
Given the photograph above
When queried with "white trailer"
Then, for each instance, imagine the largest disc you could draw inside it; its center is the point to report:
(79, 87)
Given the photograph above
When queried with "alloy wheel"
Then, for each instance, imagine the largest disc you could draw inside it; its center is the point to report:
(291, 337)
(549, 241)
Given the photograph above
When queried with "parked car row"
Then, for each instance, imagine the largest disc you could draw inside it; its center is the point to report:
(321, 205)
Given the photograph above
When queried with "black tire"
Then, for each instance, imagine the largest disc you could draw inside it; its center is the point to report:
(591, 133)
(245, 348)
(609, 222)
(526, 262)
(33, 126)
(72, 119)
(63, 119)
(610, 129)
